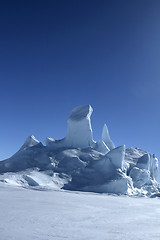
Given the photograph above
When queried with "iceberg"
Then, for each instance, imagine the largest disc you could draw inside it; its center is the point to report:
(78, 162)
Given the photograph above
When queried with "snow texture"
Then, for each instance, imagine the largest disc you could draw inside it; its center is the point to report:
(51, 215)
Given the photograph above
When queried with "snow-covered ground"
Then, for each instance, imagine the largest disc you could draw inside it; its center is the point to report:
(27, 214)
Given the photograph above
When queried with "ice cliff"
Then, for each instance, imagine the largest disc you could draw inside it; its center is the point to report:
(77, 162)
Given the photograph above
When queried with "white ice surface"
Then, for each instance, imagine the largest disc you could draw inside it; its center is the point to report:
(79, 130)
(46, 215)
(34, 179)
(106, 138)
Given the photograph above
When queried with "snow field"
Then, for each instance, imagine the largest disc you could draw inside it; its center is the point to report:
(45, 215)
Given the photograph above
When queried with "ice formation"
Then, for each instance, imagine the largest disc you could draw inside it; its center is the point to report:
(106, 138)
(77, 162)
(149, 162)
(79, 131)
(30, 142)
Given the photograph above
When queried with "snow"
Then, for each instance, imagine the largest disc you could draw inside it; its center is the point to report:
(132, 155)
(53, 191)
(34, 179)
(47, 215)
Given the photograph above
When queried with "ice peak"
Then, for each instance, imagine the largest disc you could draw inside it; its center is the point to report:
(106, 138)
(32, 139)
(30, 142)
(81, 112)
(49, 140)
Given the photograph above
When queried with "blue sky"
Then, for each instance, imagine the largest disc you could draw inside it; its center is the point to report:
(55, 55)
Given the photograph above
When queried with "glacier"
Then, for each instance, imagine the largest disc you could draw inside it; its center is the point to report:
(79, 163)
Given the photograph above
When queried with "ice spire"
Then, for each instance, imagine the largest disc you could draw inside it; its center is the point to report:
(30, 142)
(106, 138)
(79, 131)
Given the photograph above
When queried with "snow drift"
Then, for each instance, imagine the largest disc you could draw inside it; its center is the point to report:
(77, 162)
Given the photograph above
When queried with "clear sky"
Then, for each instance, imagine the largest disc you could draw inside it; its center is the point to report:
(56, 55)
